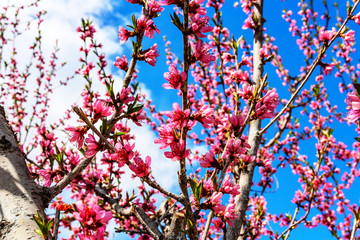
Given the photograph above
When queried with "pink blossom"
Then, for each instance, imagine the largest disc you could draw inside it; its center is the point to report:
(124, 35)
(86, 71)
(174, 77)
(143, 23)
(77, 134)
(100, 109)
(141, 168)
(125, 152)
(199, 25)
(227, 57)
(204, 116)
(230, 213)
(326, 35)
(264, 53)
(150, 55)
(218, 223)
(357, 18)
(154, 7)
(93, 220)
(349, 36)
(92, 146)
(209, 160)
(177, 115)
(88, 32)
(208, 186)
(214, 201)
(121, 63)
(195, 7)
(246, 92)
(124, 96)
(237, 122)
(201, 53)
(178, 151)
(134, 1)
(236, 147)
(236, 77)
(328, 68)
(46, 174)
(122, 155)
(229, 187)
(248, 23)
(170, 2)
(167, 135)
(353, 102)
(266, 106)
(138, 117)
(147, 25)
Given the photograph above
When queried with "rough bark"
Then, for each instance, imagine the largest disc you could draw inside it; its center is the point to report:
(20, 196)
(246, 175)
(175, 230)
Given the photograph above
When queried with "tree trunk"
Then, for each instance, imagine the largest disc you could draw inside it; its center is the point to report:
(20, 196)
(246, 175)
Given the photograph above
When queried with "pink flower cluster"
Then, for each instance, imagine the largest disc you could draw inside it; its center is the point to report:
(266, 105)
(93, 220)
(174, 77)
(101, 109)
(121, 63)
(353, 102)
(202, 52)
(326, 35)
(214, 203)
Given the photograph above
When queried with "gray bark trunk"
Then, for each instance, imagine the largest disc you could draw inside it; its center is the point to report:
(246, 175)
(20, 196)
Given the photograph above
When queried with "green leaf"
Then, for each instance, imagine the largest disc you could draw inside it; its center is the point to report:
(269, 59)
(255, 19)
(357, 139)
(193, 184)
(49, 225)
(38, 220)
(120, 133)
(176, 21)
(135, 109)
(39, 232)
(134, 21)
(356, 214)
(316, 90)
(104, 126)
(199, 191)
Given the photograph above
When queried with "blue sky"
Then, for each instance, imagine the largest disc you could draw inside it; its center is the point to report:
(64, 16)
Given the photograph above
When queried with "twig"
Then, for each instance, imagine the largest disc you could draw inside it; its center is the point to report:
(312, 192)
(146, 221)
(130, 231)
(114, 203)
(56, 224)
(167, 212)
(150, 225)
(207, 225)
(155, 185)
(83, 117)
(66, 180)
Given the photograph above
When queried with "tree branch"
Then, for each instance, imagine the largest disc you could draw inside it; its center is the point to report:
(66, 180)
(246, 175)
